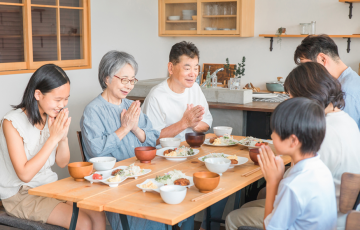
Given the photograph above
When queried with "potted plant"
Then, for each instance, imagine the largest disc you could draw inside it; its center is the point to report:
(239, 72)
(227, 68)
(278, 33)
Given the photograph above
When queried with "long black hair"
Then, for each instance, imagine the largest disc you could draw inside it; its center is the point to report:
(45, 79)
(313, 81)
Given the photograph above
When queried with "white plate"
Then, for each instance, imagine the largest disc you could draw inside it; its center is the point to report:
(257, 147)
(264, 95)
(107, 173)
(91, 180)
(113, 184)
(241, 160)
(146, 171)
(191, 179)
(207, 142)
(160, 153)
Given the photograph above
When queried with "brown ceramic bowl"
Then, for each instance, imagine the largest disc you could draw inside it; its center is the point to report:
(253, 155)
(206, 181)
(195, 140)
(79, 170)
(145, 154)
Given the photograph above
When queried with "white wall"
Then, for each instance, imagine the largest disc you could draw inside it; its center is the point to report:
(132, 26)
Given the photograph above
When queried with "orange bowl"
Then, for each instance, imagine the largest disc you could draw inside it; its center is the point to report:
(253, 155)
(79, 170)
(206, 181)
(145, 154)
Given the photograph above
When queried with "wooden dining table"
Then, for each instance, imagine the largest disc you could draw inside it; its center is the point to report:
(127, 199)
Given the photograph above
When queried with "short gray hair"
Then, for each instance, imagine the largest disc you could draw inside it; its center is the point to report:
(112, 62)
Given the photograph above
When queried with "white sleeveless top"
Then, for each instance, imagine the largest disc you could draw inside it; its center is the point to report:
(34, 139)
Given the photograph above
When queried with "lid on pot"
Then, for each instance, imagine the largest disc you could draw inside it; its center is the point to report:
(279, 81)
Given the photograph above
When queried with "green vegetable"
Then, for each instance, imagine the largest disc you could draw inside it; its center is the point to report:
(191, 152)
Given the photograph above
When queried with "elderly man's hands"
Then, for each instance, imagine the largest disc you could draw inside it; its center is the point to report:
(193, 115)
(130, 118)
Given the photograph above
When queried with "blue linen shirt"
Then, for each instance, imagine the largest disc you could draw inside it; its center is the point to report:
(350, 85)
(98, 125)
(305, 198)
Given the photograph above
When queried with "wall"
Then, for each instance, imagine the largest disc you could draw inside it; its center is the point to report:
(132, 26)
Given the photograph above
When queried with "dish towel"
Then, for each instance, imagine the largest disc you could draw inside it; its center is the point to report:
(280, 98)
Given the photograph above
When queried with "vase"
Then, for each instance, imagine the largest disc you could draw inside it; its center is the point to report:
(235, 83)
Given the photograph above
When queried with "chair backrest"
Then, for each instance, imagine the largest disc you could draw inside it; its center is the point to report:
(349, 192)
(81, 146)
(353, 221)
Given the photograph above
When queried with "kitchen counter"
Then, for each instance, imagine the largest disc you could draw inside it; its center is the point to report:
(255, 106)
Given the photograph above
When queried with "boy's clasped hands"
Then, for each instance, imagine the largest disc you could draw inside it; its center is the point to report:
(271, 166)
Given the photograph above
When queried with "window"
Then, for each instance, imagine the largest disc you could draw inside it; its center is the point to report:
(37, 32)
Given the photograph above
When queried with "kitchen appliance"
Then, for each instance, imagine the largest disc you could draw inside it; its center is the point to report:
(275, 86)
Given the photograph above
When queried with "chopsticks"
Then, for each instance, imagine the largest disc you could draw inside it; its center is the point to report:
(251, 172)
(206, 195)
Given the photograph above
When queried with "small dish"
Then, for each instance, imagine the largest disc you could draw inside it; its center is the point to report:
(174, 18)
(173, 194)
(222, 130)
(217, 165)
(113, 184)
(103, 163)
(150, 189)
(170, 142)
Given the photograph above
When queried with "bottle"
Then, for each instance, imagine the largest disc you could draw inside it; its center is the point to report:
(313, 27)
(214, 81)
(208, 79)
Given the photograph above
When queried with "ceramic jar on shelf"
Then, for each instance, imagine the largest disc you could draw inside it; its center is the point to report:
(234, 83)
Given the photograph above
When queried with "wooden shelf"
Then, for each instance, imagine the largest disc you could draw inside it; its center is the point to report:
(10, 36)
(349, 0)
(219, 16)
(9, 11)
(181, 21)
(54, 35)
(272, 36)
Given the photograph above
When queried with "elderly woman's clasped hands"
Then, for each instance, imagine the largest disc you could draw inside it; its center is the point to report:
(130, 118)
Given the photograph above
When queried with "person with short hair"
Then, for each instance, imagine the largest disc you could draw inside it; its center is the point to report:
(322, 49)
(33, 137)
(338, 151)
(303, 197)
(114, 126)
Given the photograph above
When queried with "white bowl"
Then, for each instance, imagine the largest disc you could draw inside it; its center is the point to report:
(173, 194)
(170, 142)
(174, 18)
(217, 165)
(103, 163)
(208, 28)
(222, 130)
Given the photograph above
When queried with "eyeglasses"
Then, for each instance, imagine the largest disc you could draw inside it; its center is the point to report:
(125, 80)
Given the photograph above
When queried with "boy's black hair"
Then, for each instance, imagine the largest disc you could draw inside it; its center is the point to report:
(313, 81)
(312, 45)
(45, 79)
(183, 48)
(302, 117)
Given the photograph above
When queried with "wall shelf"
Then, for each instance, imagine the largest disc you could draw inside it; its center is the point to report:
(350, 6)
(272, 36)
(219, 16)
(181, 21)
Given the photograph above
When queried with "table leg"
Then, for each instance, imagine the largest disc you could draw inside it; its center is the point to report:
(169, 227)
(74, 216)
(208, 218)
(237, 200)
(124, 222)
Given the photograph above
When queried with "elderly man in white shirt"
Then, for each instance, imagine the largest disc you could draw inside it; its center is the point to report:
(177, 105)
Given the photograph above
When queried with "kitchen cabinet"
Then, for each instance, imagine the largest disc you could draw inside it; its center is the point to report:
(230, 18)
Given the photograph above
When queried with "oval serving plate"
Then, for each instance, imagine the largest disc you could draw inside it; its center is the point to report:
(160, 153)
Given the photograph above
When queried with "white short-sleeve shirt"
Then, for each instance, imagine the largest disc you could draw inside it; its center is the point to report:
(305, 199)
(165, 107)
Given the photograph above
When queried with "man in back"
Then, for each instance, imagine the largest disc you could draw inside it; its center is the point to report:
(322, 49)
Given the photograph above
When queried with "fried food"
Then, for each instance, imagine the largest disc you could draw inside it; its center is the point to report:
(212, 140)
(169, 151)
(234, 162)
(115, 172)
(182, 182)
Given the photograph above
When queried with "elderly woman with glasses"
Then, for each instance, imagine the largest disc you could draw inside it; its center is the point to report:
(112, 125)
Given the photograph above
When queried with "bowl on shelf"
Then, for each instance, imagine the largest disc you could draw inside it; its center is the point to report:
(208, 28)
(253, 155)
(174, 18)
(79, 170)
(173, 194)
(145, 154)
(170, 142)
(217, 165)
(195, 140)
(103, 163)
(206, 181)
(222, 130)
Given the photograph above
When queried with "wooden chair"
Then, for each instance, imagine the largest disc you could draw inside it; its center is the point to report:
(349, 199)
(81, 145)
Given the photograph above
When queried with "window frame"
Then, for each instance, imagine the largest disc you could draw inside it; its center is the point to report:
(29, 66)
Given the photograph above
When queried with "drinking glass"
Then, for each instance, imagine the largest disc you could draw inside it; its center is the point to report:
(216, 9)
